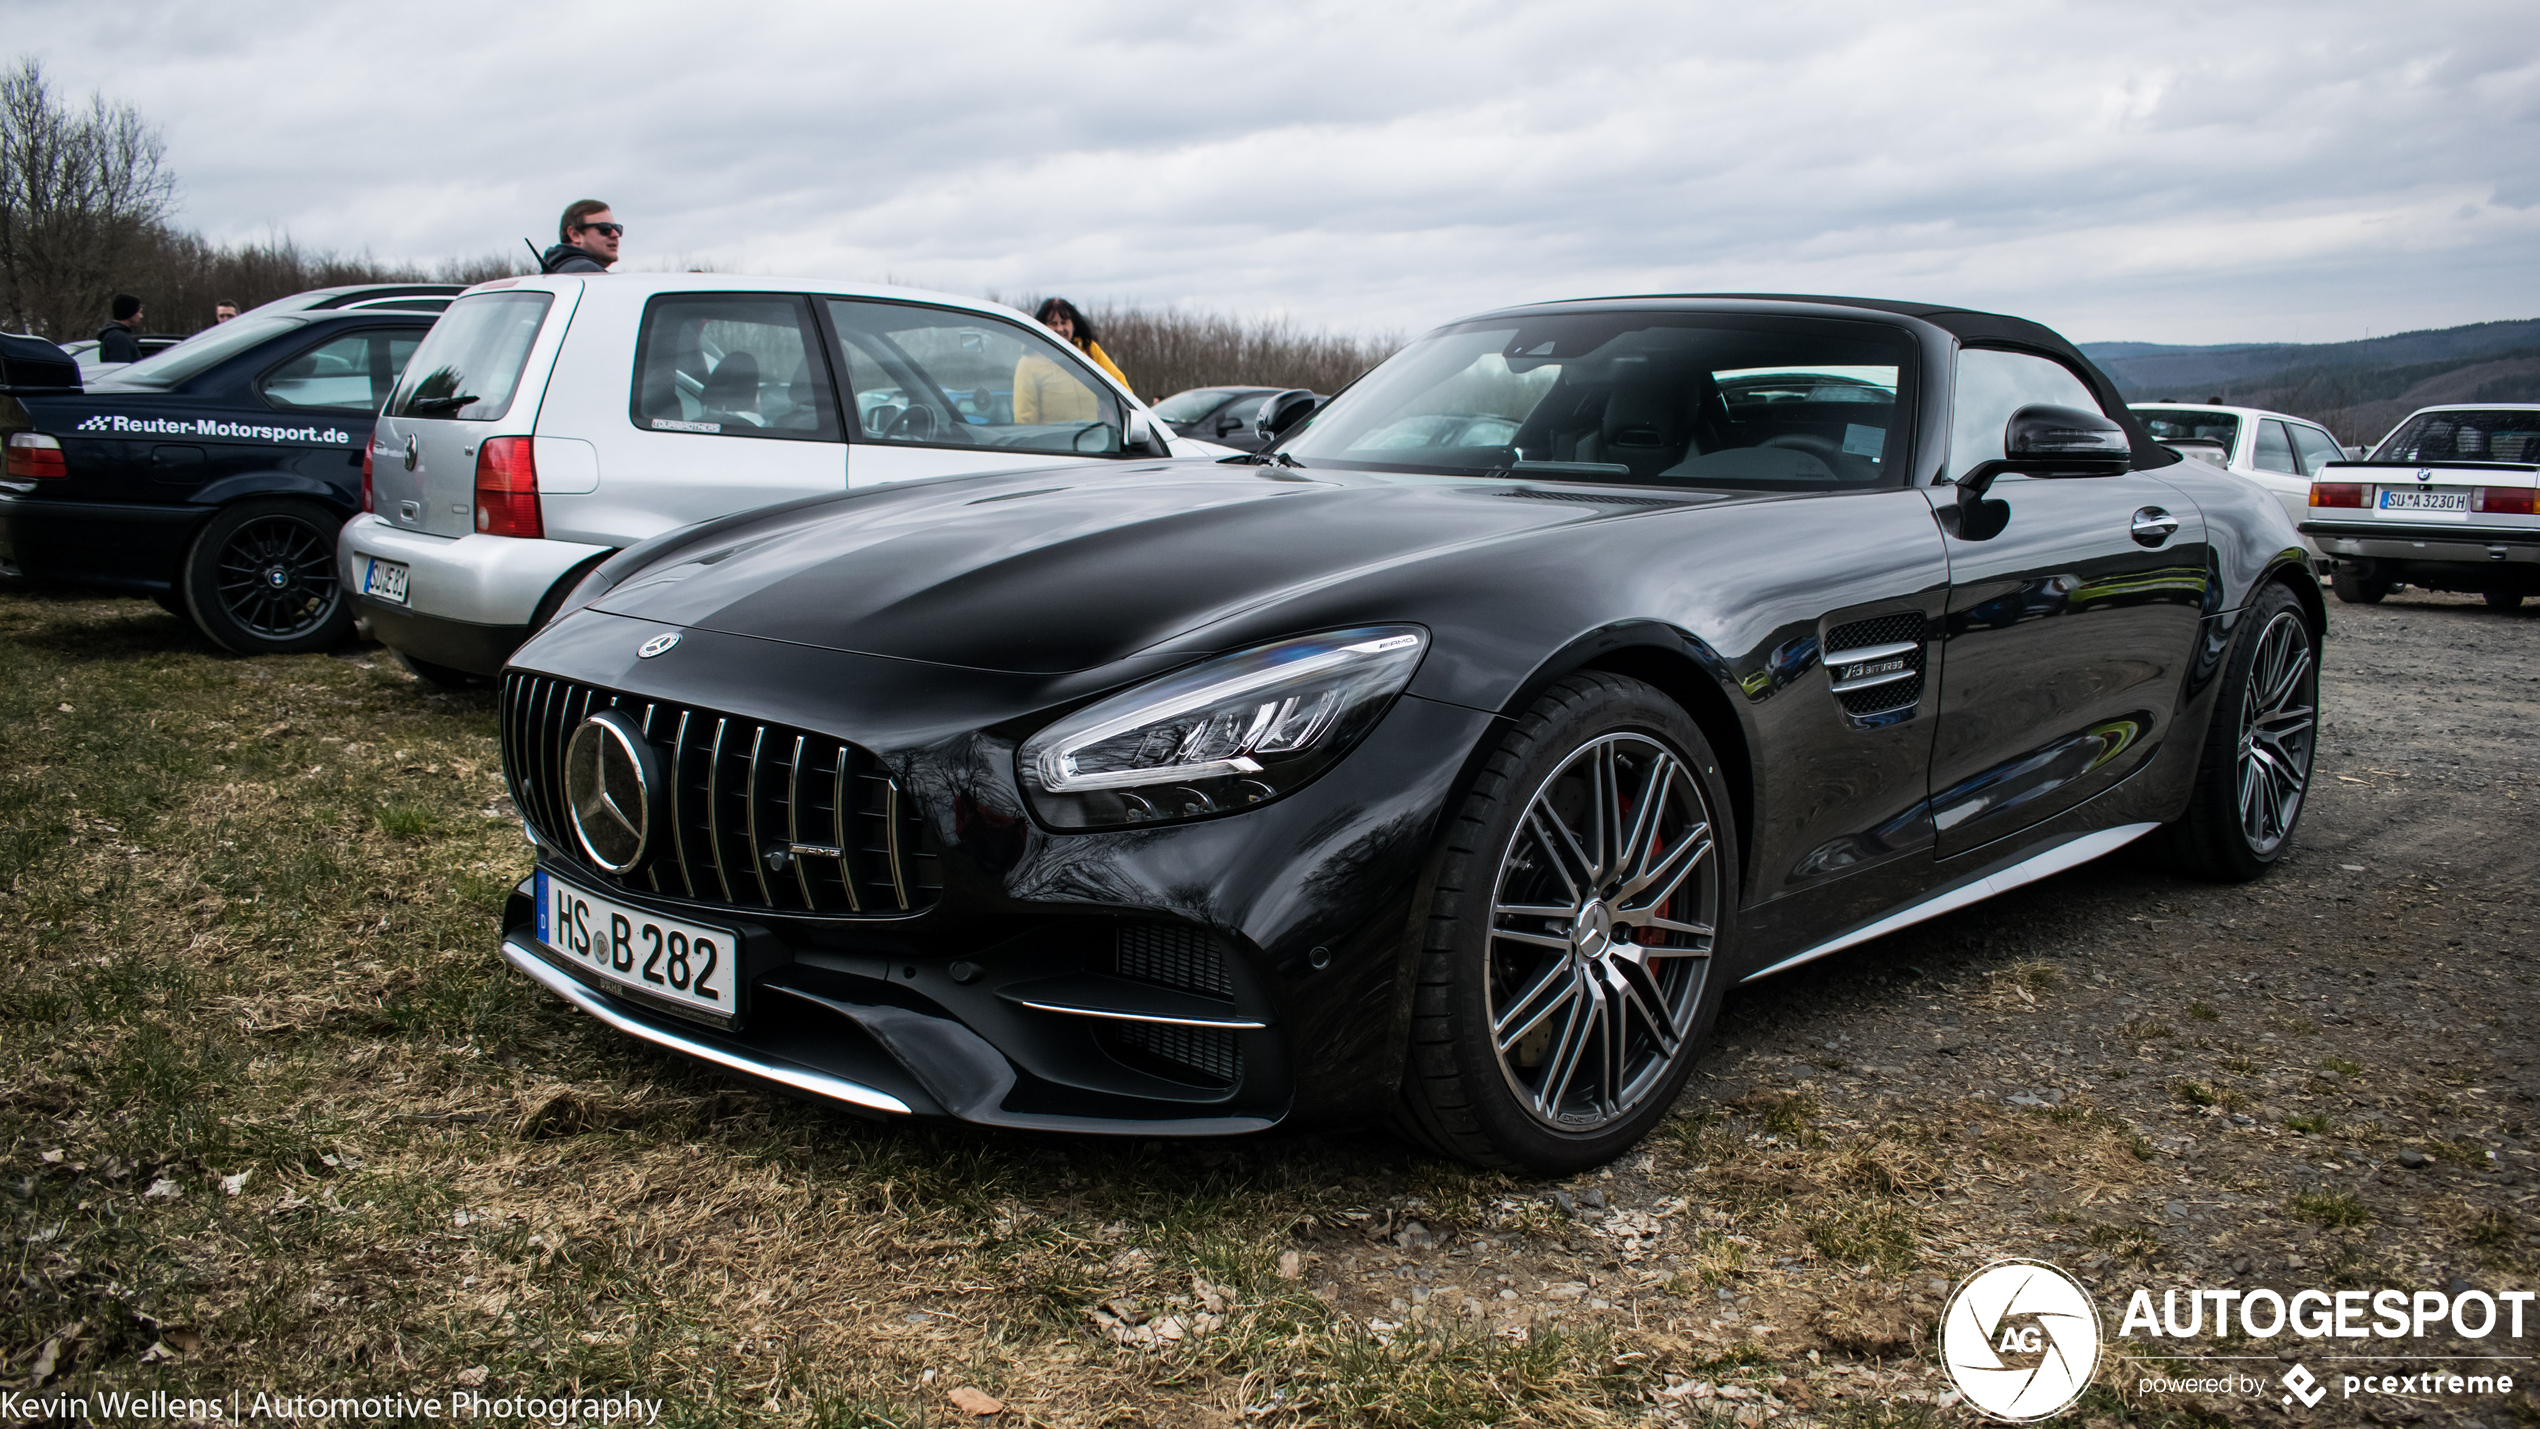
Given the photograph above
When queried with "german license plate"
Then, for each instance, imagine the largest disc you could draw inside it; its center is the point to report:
(687, 965)
(2425, 505)
(384, 579)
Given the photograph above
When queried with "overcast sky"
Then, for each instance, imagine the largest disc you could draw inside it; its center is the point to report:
(2171, 173)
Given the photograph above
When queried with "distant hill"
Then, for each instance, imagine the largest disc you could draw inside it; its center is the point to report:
(2359, 390)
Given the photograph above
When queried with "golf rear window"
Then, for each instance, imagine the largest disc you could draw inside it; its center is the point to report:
(470, 363)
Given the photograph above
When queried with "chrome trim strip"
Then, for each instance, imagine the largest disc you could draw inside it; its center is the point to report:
(839, 816)
(891, 822)
(800, 1078)
(654, 872)
(2070, 854)
(1228, 1023)
(678, 804)
(714, 807)
(1867, 653)
(749, 818)
(793, 824)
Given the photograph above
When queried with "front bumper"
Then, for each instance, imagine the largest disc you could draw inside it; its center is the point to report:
(469, 599)
(111, 545)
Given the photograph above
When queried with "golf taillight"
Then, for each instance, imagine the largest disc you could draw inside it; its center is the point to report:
(370, 498)
(34, 456)
(2506, 501)
(2336, 493)
(507, 489)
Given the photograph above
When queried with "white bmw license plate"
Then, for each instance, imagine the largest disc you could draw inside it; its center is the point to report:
(384, 579)
(2425, 505)
(685, 964)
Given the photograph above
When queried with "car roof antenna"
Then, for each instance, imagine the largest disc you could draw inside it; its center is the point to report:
(539, 263)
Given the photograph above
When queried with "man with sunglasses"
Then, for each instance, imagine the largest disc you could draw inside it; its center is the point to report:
(590, 233)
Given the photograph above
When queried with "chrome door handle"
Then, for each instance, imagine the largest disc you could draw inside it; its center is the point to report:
(2152, 526)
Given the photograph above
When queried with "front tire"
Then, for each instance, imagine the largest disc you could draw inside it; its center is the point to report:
(2358, 585)
(1578, 932)
(260, 579)
(2256, 767)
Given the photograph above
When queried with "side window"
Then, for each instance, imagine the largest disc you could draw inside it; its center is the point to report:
(2275, 450)
(939, 377)
(732, 365)
(1991, 386)
(2318, 448)
(351, 373)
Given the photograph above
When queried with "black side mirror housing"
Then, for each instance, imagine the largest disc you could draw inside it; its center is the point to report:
(2046, 440)
(1282, 411)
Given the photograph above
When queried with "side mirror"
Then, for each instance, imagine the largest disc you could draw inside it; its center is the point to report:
(2044, 440)
(1282, 411)
(1144, 436)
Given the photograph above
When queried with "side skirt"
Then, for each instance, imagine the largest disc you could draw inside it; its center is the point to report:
(2070, 854)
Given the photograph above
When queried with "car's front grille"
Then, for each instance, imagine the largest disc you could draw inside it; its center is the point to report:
(761, 815)
(1200, 1056)
(1175, 957)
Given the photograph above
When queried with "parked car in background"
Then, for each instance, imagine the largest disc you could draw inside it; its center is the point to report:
(551, 421)
(2279, 452)
(214, 476)
(1449, 781)
(2446, 502)
(91, 367)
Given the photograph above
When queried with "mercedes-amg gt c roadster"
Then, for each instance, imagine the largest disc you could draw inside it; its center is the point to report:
(1445, 764)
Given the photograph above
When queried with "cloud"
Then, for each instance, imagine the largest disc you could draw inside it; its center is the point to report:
(2164, 172)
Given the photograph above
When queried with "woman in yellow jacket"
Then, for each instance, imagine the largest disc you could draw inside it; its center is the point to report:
(1044, 392)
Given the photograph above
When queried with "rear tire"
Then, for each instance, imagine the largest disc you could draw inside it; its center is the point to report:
(260, 579)
(2356, 587)
(1580, 931)
(2504, 600)
(2255, 772)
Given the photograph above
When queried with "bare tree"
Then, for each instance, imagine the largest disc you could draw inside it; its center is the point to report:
(83, 194)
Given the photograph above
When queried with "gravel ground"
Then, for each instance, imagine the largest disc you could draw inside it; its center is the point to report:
(2322, 1078)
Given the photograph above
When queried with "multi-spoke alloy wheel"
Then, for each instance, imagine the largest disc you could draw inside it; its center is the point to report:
(261, 579)
(1601, 929)
(2278, 715)
(2255, 766)
(1585, 892)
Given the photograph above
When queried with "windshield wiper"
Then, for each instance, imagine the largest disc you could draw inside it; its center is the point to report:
(436, 406)
(1270, 459)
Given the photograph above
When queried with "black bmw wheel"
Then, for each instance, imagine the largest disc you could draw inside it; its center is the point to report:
(2256, 769)
(1585, 894)
(261, 579)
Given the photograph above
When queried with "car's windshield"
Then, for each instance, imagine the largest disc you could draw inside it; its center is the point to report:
(1192, 405)
(2497, 434)
(2187, 424)
(1672, 398)
(201, 352)
(470, 362)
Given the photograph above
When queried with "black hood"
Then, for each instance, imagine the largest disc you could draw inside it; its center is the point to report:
(1055, 571)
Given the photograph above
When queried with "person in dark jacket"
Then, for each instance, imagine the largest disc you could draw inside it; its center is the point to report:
(115, 341)
(589, 233)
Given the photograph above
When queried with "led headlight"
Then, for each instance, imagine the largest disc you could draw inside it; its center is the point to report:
(1224, 735)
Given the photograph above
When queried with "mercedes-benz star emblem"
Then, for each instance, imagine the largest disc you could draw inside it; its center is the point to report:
(609, 778)
(414, 450)
(656, 645)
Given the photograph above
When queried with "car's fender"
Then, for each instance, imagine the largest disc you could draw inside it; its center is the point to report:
(273, 483)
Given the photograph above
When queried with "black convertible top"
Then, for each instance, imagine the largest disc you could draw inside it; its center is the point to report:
(1968, 325)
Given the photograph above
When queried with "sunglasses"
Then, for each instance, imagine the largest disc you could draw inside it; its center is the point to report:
(613, 230)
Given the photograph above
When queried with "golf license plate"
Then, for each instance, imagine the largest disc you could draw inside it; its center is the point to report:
(384, 579)
(2425, 505)
(688, 965)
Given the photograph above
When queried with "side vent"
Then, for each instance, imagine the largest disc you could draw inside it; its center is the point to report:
(1185, 959)
(1876, 665)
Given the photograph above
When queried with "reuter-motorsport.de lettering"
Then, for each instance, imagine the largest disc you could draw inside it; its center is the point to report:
(210, 427)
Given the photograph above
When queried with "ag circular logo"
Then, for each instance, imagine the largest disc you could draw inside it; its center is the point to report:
(2020, 1340)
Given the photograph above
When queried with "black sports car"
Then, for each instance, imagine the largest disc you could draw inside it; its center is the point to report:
(211, 476)
(1452, 782)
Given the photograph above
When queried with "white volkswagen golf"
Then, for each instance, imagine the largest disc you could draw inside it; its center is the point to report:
(548, 422)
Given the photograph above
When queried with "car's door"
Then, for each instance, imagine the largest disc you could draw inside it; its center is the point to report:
(943, 392)
(2068, 632)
